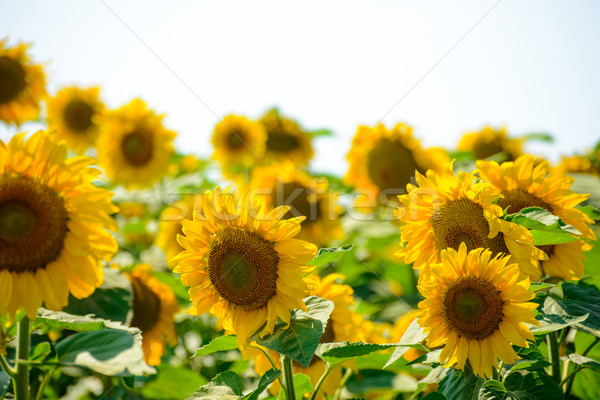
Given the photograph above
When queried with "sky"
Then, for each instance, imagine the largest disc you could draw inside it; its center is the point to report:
(444, 68)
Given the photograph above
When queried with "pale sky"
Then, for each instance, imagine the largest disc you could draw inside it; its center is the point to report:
(442, 67)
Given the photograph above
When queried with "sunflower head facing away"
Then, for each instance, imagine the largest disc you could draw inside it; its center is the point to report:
(135, 148)
(53, 223)
(22, 84)
(476, 306)
(283, 184)
(154, 307)
(74, 113)
(527, 182)
(383, 161)
(242, 262)
(286, 140)
(169, 225)
(238, 142)
(489, 142)
(445, 210)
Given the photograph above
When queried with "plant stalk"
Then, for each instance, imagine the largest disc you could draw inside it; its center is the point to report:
(21, 382)
(553, 355)
(288, 376)
(330, 368)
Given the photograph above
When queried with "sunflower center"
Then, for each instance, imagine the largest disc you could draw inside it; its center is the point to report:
(78, 115)
(462, 221)
(242, 267)
(518, 199)
(296, 196)
(12, 79)
(146, 306)
(281, 142)
(234, 140)
(391, 165)
(137, 147)
(33, 224)
(473, 307)
(484, 148)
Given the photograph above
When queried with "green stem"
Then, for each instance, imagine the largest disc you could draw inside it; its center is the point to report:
(313, 396)
(553, 355)
(288, 375)
(271, 360)
(338, 392)
(10, 371)
(22, 379)
(40, 392)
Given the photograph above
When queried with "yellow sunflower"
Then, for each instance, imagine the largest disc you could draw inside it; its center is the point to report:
(445, 210)
(22, 84)
(526, 183)
(238, 142)
(490, 141)
(135, 148)
(577, 164)
(154, 306)
(242, 262)
(475, 306)
(74, 113)
(286, 140)
(383, 161)
(343, 325)
(169, 225)
(284, 184)
(53, 223)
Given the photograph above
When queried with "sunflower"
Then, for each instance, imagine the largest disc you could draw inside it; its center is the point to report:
(526, 183)
(489, 142)
(344, 325)
(286, 140)
(53, 223)
(474, 306)
(169, 225)
(445, 210)
(577, 164)
(242, 263)
(383, 162)
(22, 84)
(74, 113)
(135, 148)
(154, 306)
(284, 184)
(238, 142)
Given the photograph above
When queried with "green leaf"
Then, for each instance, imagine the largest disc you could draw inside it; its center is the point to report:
(264, 382)
(553, 318)
(40, 352)
(539, 286)
(533, 385)
(337, 353)
(320, 132)
(62, 320)
(329, 255)
(456, 385)
(584, 361)
(434, 396)
(543, 238)
(302, 384)
(590, 211)
(112, 300)
(300, 339)
(579, 301)
(587, 381)
(222, 343)
(231, 379)
(538, 137)
(224, 386)
(412, 338)
(538, 219)
(172, 383)
(5, 382)
(109, 351)
(494, 390)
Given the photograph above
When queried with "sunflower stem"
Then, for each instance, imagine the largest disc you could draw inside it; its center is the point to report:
(21, 381)
(338, 392)
(553, 355)
(313, 396)
(10, 371)
(272, 361)
(40, 392)
(288, 375)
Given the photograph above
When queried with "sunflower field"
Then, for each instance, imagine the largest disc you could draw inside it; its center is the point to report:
(130, 269)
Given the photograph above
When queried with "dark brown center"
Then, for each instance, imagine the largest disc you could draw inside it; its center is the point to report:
(137, 147)
(78, 115)
(12, 79)
(146, 306)
(298, 197)
(391, 165)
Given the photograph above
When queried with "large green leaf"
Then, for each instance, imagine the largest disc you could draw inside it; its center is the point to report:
(337, 353)
(108, 351)
(300, 339)
(533, 385)
(412, 338)
(231, 379)
(225, 386)
(329, 255)
(553, 318)
(172, 383)
(112, 300)
(537, 218)
(456, 386)
(580, 300)
(587, 381)
(495, 390)
(584, 361)
(221, 343)
(63, 320)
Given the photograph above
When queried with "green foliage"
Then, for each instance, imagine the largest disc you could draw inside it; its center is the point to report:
(586, 384)
(412, 338)
(538, 137)
(534, 385)
(63, 320)
(229, 386)
(329, 255)
(300, 339)
(221, 343)
(457, 386)
(172, 383)
(337, 353)
(546, 228)
(302, 384)
(591, 211)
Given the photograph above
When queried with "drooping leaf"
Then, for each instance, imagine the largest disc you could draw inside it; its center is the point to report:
(221, 343)
(329, 255)
(300, 339)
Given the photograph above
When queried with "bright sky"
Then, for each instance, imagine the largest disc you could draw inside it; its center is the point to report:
(443, 67)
